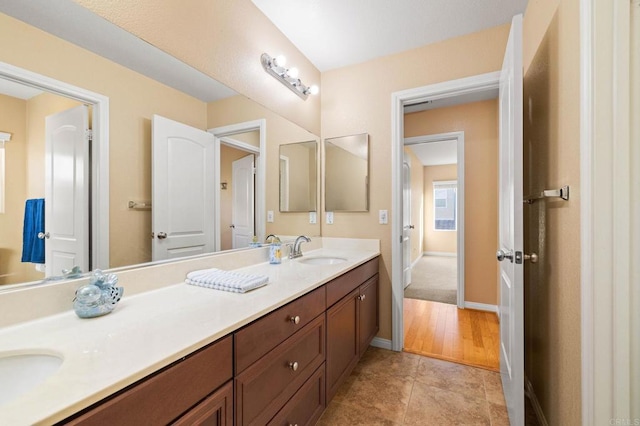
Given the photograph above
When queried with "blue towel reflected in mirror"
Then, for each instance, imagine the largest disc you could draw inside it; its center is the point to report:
(32, 246)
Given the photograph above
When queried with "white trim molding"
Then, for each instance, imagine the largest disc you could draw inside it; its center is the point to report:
(379, 342)
(609, 209)
(482, 307)
(537, 408)
(439, 254)
(474, 84)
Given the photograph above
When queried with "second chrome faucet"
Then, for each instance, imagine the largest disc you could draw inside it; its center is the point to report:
(296, 250)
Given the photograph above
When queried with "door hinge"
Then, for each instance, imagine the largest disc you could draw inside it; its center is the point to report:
(89, 135)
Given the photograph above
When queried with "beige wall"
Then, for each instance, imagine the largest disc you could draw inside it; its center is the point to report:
(133, 100)
(13, 119)
(279, 131)
(479, 121)
(357, 99)
(552, 228)
(302, 176)
(223, 39)
(417, 203)
(437, 241)
(345, 179)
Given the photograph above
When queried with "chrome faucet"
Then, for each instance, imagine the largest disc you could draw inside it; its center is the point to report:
(273, 237)
(296, 251)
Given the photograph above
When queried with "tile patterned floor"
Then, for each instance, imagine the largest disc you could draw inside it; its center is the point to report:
(400, 388)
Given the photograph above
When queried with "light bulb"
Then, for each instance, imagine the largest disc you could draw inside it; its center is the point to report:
(280, 60)
(293, 72)
(314, 90)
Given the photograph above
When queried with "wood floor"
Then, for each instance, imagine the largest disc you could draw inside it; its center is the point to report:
(441, 330)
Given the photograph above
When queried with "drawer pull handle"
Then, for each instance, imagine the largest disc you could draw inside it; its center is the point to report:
(295, 319)
(293, 424)
(293, 366)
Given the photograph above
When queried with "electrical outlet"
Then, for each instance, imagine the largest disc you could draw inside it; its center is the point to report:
(383, 217)
(313, 218)
(270, 216)
(329, 218)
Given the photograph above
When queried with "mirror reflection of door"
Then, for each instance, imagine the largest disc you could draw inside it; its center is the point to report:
(67, 221)
(406, 223)
(183, 200)
(243, 195)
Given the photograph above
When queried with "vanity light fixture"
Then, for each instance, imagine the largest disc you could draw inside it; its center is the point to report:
(5, 137)
(287, 76)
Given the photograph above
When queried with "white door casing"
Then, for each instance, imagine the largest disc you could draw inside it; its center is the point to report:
(510, 226)
(67, 191)
(406, 224)
(242, 211)
(183, 196)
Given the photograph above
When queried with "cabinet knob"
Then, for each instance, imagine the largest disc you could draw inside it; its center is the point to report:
(295, 319)
(290, 424)
(293, 366)
(362, 297)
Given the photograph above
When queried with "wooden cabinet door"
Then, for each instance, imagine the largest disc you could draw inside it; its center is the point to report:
(342, 341)
(369, 320)
(215, 410)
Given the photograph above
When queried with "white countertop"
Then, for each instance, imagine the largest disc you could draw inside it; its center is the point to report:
(146, 332)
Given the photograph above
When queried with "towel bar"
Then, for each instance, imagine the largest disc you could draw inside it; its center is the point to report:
(549, 193)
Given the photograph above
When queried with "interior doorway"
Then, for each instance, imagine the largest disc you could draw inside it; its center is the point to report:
(434, 196)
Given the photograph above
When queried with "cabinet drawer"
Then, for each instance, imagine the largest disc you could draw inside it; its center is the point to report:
(264, 387)
(306, 406)
(163, 397)
(345, 284)
(259, 337)
(216, 410)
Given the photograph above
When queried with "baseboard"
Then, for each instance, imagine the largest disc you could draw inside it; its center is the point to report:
(379, 342)
(529, 393)
(439, 253)
(415, 262)
(481, 306)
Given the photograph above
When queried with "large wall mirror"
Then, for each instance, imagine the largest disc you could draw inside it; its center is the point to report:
(347, 173)
(134, 98)
(299, 177)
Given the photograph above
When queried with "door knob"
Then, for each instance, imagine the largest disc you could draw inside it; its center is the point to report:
(232, 226)
(533, 257)
(162, 235)
(43, 235)
(411, 227)
(504, 254)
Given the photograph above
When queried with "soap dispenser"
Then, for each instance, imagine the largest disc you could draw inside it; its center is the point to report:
(275, 251)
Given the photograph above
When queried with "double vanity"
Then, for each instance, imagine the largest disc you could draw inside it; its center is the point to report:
(184, 354)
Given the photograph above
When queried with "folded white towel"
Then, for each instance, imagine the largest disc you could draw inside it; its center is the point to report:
(226, 280)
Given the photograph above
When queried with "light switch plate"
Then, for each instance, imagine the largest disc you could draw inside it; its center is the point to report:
(384, 217)
(329, 218)
(313, 218)
(270, 216)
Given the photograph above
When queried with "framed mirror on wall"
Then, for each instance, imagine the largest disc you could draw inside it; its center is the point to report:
(133, 98)
(346, 173)
(299, 177)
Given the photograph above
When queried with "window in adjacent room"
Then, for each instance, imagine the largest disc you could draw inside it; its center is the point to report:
(445, 205)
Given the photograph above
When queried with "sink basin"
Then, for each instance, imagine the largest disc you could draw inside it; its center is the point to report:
(19, 373)
(323, 260)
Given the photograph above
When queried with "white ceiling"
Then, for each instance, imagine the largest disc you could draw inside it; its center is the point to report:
(337, 33)
(18, 90)
(436, 153)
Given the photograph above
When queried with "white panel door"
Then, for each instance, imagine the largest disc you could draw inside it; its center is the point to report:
(510, 228)
(183, 200)
(67, 191)
(406, 224)
(242, 212)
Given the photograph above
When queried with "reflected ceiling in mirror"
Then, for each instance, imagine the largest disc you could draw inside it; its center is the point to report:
(346, 173)
(299, 177)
